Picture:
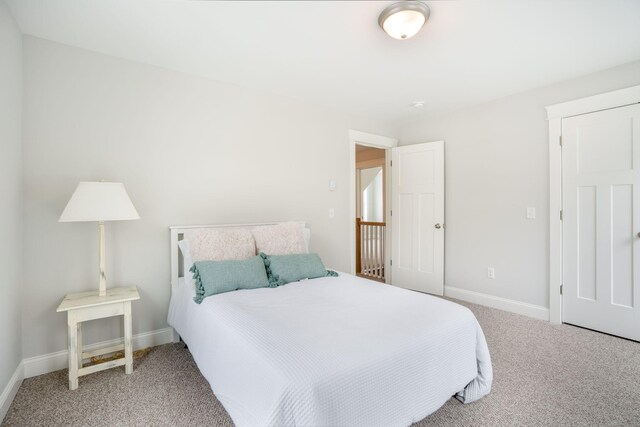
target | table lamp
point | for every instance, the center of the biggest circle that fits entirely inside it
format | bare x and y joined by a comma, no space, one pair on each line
99,201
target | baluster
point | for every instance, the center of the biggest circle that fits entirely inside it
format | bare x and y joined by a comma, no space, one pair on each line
383,251
363,230
379,270
373,247
370,241
375,251
358,247
363,249
366,249
377,243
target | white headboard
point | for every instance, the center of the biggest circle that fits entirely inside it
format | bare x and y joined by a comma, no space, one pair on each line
178,232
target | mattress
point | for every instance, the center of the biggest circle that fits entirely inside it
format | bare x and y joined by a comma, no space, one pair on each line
333,351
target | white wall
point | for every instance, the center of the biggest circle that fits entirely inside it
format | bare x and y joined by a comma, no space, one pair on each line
496,164
371,190
192,150
10,195
189,150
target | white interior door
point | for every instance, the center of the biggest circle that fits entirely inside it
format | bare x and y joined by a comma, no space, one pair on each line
601,208
417,249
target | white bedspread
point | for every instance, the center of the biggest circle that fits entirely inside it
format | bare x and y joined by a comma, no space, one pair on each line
339,351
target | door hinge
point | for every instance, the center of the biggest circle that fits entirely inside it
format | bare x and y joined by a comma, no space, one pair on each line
560,289
560,140
560,214
391,163
391,212
390,262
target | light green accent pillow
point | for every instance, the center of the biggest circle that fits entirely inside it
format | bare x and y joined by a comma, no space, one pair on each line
216,277
282,269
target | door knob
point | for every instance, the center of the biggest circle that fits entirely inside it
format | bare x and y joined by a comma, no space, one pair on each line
638,233
438,226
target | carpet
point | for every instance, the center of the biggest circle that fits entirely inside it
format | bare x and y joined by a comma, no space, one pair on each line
544,375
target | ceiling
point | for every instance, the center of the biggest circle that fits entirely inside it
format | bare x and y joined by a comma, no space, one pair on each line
334,54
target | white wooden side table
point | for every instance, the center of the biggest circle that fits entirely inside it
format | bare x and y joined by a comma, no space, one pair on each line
84,306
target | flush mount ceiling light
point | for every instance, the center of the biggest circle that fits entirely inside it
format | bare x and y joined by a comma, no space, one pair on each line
418,104
404,19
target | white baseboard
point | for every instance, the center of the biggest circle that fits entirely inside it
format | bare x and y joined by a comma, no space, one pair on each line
46,363
10,390
531,310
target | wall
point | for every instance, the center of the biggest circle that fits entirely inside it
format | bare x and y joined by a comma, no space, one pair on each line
365,159
192,150
189,150
496,164
11,196
372,195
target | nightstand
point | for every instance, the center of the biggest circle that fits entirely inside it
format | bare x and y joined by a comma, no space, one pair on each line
84,306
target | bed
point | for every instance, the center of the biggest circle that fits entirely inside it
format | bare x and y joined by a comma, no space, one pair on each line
331,351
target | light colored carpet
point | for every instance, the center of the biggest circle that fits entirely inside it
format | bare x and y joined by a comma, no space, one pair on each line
545,375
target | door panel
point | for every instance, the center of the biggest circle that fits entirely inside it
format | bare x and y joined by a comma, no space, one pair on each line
587,238
417,250
404,214
427,232
601,204
596,153
622,245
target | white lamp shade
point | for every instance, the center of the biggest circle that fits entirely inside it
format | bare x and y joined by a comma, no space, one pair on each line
99,201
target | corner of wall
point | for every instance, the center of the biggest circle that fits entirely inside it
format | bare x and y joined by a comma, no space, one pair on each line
11,218
11,389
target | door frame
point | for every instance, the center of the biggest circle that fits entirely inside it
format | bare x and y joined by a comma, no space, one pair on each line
555,114
374,141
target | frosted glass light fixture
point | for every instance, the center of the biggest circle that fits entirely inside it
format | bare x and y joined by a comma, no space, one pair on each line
99,202
404,19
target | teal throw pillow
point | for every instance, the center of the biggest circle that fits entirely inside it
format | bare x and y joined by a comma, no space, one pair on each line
216,277
282,269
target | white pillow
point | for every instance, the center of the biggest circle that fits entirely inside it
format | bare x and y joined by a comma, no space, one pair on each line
221,244
307,238
186,254
187,262
281,239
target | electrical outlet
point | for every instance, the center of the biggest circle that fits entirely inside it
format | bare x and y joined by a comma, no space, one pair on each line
332,213
491,273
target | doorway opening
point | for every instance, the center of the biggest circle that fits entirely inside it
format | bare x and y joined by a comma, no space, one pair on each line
370,227
384,143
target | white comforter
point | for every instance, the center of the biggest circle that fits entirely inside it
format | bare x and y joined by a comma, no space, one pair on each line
339,351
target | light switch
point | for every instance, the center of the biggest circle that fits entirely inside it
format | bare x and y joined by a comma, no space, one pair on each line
531,212
332,213
332,185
